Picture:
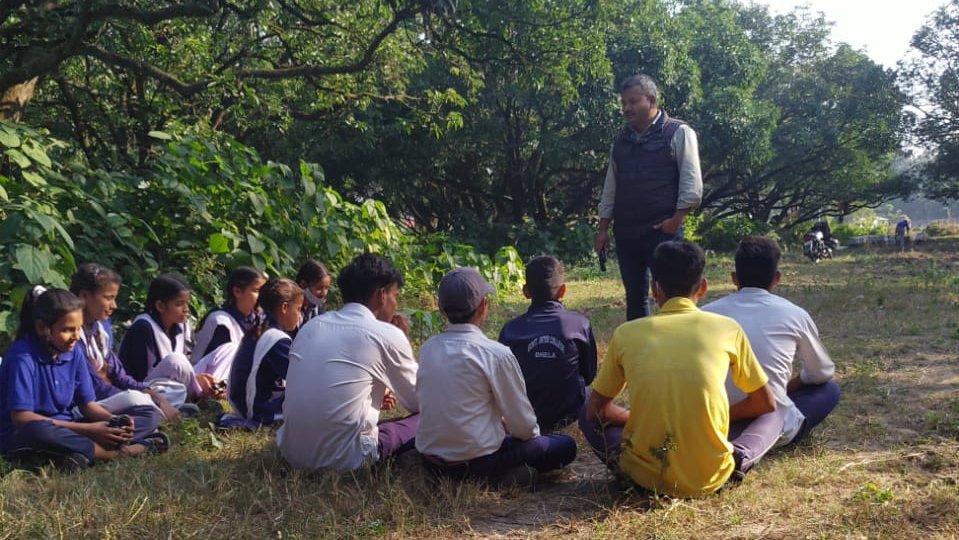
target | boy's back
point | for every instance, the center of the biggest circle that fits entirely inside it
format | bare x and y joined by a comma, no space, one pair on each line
556,351
675,364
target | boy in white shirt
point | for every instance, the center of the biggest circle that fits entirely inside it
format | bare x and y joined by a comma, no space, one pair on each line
779,331
342,365
476,419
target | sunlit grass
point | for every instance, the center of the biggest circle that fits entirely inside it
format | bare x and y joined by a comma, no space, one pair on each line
884,465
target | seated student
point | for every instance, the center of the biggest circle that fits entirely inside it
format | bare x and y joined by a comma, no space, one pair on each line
341,366
116,391
554,346
153,351
675,364
779,331
221,330
475,418
43,377
258,376
315,280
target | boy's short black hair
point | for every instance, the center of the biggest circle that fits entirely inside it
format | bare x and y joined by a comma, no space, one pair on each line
678,267
757,260
364,276
544,277
460,318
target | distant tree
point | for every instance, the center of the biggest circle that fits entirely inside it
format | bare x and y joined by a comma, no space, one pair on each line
109,71
835,125
931,76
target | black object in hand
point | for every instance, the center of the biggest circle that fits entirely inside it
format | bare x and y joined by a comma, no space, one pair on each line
118,421
219,385
602,260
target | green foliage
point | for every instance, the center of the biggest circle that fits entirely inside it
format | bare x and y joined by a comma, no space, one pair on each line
932,79
845,231
571,242
941,228
872,493
725,234
202,203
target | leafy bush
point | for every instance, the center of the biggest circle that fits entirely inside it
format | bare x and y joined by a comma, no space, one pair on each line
724,234
570,242
942,228
845,231
202,203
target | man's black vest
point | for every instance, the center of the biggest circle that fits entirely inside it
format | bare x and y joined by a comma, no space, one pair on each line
647,178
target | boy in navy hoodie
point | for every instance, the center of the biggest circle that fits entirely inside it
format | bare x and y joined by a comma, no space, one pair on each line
554,346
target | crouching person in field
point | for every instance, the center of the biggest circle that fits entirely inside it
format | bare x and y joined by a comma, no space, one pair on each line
674,437
341,369
779,332
476,419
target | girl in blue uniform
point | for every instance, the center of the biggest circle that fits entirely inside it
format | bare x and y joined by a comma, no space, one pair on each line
43,376
221,330
115,389
153,350
314,279
258,377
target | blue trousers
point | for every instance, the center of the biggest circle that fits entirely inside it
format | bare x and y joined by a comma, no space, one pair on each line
815,402
42,438
635,256
543,453
397,436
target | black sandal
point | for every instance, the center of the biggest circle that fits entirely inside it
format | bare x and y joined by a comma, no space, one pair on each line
156,443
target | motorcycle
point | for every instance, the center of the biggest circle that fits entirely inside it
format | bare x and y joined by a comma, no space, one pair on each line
817,247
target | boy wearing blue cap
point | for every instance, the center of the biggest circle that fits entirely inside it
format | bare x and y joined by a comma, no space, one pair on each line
475,418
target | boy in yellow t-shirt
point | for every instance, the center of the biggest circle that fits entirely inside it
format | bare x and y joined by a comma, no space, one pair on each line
674,437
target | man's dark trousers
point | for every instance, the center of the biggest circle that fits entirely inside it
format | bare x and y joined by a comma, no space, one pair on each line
635,256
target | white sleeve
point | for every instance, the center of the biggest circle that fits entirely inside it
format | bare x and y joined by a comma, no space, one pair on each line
509,393
685,147
401,369
816,365
608,198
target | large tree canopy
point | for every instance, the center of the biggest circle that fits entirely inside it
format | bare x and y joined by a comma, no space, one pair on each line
467,116
931,74
110,71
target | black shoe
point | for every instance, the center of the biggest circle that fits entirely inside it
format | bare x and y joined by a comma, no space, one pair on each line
522,476
70,463
189,410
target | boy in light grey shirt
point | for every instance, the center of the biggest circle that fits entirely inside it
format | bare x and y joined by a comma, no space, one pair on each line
476,420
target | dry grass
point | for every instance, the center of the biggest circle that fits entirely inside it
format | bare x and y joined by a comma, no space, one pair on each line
884,465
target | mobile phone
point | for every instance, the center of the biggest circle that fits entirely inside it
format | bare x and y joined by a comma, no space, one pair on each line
118,421
602,260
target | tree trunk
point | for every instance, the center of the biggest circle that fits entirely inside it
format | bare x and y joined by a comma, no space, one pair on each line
14,100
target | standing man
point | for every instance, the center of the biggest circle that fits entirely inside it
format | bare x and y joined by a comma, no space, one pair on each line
652,183
342,367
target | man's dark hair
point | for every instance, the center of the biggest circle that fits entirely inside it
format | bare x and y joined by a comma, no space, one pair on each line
364,276
644,82
544,277
757,260
678,267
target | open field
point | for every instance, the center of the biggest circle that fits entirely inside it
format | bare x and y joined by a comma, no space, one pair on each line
884,465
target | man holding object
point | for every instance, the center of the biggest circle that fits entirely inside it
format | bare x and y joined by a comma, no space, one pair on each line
652,183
